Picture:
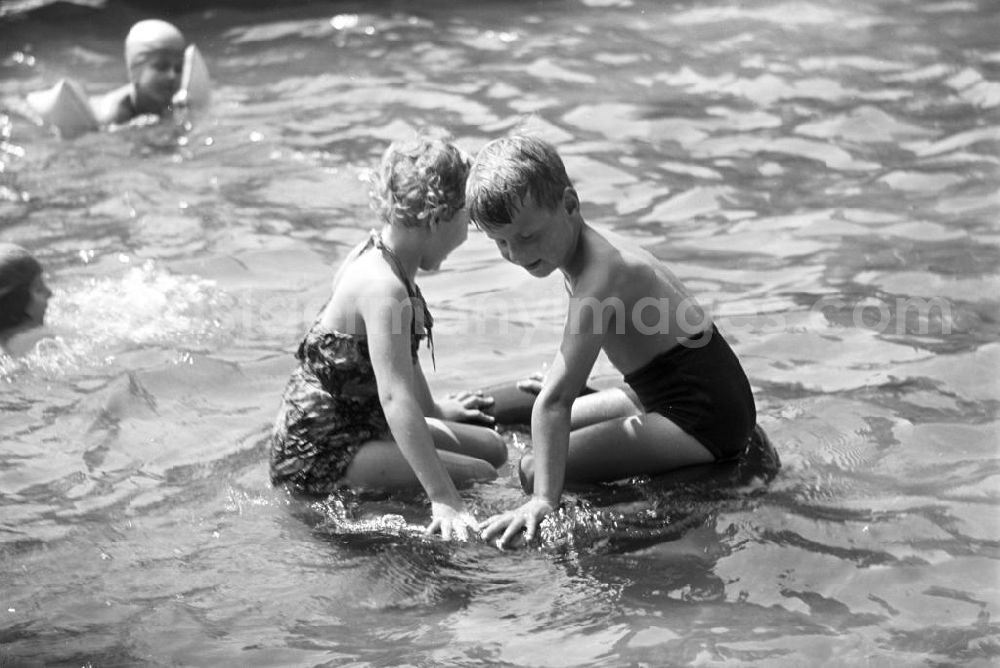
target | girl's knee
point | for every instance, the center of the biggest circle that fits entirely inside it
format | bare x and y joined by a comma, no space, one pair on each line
497,450
526,473
482,471
486,445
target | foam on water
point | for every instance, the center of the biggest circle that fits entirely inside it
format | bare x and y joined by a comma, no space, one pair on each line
143,307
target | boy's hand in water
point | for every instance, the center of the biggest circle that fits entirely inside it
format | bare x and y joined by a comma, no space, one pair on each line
457,524
467,407
528,517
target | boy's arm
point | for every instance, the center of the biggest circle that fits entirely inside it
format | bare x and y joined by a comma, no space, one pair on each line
550,417
586,324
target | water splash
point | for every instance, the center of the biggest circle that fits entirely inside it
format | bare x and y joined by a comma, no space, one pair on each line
146,305
106,316
342,514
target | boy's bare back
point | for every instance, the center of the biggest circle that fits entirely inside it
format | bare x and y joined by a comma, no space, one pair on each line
648,307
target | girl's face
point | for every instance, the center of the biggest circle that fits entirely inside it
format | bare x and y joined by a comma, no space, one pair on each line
448,235
159,79
39,294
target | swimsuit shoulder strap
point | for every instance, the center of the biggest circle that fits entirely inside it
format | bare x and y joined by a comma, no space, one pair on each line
412,289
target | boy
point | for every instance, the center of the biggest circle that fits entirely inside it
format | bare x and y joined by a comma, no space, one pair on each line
697,406
154,56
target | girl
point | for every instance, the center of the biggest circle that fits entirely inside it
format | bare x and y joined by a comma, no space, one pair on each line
24,297
358,412
154,57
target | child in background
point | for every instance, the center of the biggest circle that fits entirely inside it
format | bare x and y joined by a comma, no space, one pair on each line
358,412
24,298
154,56
696,402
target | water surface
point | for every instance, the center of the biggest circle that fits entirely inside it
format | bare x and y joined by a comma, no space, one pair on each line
824,175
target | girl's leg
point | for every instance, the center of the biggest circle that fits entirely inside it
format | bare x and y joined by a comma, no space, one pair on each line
470,440
380,465
645,444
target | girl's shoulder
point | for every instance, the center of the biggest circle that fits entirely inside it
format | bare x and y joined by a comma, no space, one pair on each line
368,273
366,282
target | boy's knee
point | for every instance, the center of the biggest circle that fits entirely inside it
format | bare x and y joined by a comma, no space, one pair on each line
526,472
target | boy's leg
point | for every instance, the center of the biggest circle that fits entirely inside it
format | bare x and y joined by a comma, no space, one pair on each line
380,465
601,406
645,444
470,440
512,405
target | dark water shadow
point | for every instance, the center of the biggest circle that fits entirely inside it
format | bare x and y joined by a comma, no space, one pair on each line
621,517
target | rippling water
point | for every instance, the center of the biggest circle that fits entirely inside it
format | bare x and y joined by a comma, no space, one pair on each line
823,174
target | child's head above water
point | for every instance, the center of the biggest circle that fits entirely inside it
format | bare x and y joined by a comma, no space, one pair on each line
508,170
418,179
23,293
154,55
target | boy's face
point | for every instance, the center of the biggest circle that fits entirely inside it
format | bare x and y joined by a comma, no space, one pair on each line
159,78
537,239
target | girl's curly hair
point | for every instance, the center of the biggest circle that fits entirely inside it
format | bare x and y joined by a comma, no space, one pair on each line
417,178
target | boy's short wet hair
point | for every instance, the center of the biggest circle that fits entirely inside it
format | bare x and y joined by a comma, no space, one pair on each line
417,178
509,169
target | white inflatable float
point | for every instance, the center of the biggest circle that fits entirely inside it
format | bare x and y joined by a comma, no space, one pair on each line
196,86
65,106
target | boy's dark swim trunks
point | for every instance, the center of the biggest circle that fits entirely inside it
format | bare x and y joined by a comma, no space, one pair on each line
700,386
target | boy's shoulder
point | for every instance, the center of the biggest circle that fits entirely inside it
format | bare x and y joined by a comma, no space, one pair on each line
611,265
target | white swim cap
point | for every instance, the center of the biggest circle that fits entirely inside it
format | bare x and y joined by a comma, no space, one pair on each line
147,38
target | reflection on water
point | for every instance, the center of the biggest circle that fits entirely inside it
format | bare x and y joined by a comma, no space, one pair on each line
823,175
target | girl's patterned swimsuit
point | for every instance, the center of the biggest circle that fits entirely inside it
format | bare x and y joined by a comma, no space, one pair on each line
331,407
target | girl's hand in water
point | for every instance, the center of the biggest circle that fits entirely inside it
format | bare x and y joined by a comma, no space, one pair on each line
453,523
528,517
467,407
